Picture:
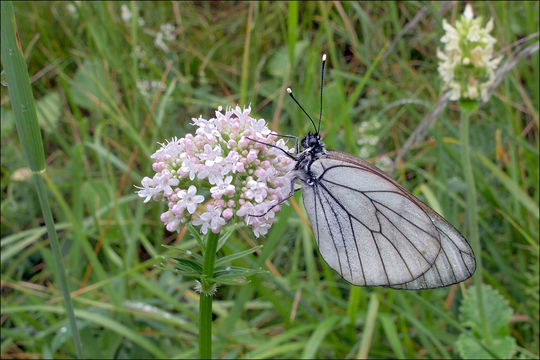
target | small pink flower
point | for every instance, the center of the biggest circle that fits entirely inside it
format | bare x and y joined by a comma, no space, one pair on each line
164,181
148,190
210,219
223,187
211,156
256,190
191,199
172,222
265,175
227,214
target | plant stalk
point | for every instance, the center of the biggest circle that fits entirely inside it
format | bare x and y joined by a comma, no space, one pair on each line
472,218
205,298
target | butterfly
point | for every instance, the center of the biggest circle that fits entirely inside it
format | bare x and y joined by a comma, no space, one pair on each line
368,227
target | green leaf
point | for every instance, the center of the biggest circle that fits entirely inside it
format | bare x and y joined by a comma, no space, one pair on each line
93,316
468,105
226,234
498,313
280,61
20,91
197,235
469,348
88,87
235,281
198,258
240,254
48,111
184,271
234,272
186,267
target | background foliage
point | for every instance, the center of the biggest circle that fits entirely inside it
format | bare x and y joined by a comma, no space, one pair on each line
105,94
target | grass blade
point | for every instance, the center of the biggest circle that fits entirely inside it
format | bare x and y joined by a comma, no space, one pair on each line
23,105
365,344
318,336
511,186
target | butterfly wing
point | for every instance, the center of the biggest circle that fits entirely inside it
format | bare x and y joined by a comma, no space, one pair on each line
373,232
454,264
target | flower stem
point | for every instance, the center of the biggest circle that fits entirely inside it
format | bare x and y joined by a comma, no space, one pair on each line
472,218
205,298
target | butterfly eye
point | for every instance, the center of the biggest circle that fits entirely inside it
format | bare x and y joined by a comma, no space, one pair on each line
312,140
310,182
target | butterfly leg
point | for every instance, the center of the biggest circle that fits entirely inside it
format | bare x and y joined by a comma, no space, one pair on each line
296,146
291,193
274,146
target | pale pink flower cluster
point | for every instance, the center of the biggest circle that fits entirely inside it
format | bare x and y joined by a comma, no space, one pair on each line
218,175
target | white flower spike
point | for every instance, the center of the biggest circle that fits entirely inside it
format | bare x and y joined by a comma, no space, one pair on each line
466,63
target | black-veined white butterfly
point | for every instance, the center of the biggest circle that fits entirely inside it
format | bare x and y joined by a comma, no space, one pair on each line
368,227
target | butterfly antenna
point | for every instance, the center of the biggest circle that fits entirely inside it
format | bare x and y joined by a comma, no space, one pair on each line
289,90
322,83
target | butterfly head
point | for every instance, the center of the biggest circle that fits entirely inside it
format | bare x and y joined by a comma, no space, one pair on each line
313,149
311,141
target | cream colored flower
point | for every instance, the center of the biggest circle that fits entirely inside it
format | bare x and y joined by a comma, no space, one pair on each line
466,63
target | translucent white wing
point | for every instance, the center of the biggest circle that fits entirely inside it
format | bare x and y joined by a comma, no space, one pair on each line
374,232
454,264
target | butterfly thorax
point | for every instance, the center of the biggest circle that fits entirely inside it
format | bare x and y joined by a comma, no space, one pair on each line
313,150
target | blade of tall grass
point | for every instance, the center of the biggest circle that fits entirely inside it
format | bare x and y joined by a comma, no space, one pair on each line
510,185
344,121
276,342
354,300
392,336
246,292
96,318
245,58
87,249
369,327
23,105
292,25
324,327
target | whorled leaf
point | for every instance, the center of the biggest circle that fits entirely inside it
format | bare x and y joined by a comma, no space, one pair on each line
498,315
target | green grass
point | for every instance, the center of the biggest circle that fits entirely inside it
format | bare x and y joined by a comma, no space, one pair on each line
98,132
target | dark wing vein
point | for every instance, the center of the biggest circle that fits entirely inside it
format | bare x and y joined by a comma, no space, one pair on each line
378,212
462,259
316,217
352,230
446,240
340,231
404,218
380,257
315,192
351,167
405,236
363,192
395,248
357,252
341,205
